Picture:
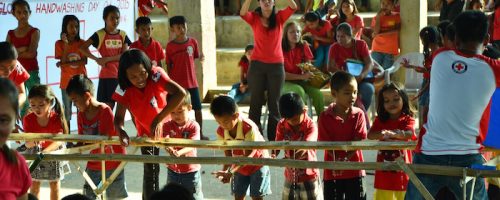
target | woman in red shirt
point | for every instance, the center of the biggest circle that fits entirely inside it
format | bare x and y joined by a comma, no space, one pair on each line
347,47
266,71
14,173
295,52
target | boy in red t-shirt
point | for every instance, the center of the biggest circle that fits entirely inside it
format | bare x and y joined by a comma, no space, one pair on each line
180,55
297,126
146,43
187,175
10,68
343,122
96,118
234,127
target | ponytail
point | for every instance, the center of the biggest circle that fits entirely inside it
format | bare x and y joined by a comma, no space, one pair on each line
59,109
9,154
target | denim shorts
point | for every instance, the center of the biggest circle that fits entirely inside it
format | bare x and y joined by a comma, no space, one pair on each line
191,181
434,183
423,100
259,182
117,189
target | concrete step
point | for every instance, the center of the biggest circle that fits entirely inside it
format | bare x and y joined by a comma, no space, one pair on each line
233,32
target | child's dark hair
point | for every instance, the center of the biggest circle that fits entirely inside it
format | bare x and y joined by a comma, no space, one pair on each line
451,32
8,90
129,58
442,28
272,18
407,109
66,20
471,26
142,21
44,91
471,4
290,105
172,191
314,16
284,41
345,28
223,105
7,52
429,35
108,10
76,197
16,3
32,197
244,57
342,15
177,20
497,4
340,79
79,85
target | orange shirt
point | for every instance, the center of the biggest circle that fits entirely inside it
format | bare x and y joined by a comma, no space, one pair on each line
387,42
73,54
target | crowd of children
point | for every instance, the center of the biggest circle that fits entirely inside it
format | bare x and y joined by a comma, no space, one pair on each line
159,101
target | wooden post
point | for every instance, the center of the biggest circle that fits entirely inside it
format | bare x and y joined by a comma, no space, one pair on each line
414,179
85,176
113,176
103,172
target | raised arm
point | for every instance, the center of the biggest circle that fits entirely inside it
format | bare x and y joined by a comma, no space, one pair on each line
245,7
292,4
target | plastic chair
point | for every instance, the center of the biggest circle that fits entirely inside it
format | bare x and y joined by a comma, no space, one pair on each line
413,80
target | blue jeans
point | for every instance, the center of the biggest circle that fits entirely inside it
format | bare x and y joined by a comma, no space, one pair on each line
321,57
434,183
384,59
259,182
236,94
191,181
366,89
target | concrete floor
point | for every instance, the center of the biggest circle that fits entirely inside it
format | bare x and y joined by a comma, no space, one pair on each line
212,188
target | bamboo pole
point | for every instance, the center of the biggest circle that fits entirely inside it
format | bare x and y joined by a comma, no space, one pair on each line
115,174
424,169
414,179
103,172
172,142
75,149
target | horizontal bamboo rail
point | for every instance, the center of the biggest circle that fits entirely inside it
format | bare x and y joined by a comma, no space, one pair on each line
427,169
142,141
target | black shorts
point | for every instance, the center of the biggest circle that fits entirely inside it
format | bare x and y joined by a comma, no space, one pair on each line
105,89
345,189
195,98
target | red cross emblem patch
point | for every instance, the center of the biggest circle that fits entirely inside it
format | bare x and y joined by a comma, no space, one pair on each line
459,67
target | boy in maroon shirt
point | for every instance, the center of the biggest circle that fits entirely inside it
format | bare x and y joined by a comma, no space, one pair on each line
343,122
146,43
297,126
180,55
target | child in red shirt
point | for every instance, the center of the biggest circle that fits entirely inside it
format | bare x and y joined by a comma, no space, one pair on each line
321,32
146,43
240,90
343,122
44,118
111,42
348,12
11,69
25,38
147,6
72,61
297,126
394,122
15,176
187,175
180,55
143,91
232,126
96,118
386,25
